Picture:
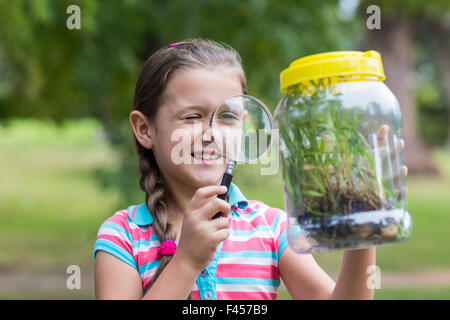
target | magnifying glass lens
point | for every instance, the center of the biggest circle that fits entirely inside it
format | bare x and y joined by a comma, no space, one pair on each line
227,125
241,128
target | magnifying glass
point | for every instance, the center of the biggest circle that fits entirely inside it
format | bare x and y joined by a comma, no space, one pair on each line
241,126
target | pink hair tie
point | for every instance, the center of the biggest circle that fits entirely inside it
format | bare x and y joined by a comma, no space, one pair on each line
177,43
167,248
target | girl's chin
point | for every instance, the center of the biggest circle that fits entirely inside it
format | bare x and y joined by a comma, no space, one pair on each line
207,181
203,179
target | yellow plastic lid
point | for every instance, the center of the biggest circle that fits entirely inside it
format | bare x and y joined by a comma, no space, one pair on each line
332,64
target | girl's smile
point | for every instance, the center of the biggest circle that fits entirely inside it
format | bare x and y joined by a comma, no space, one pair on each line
207,157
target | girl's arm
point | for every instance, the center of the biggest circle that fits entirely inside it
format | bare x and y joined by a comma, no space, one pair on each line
305,279
200,235
353,276
115,279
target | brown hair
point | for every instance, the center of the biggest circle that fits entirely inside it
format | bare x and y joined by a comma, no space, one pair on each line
153,78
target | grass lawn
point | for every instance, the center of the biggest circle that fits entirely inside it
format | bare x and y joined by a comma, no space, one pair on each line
51,206
395,294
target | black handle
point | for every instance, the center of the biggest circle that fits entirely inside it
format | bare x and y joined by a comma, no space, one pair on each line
226,180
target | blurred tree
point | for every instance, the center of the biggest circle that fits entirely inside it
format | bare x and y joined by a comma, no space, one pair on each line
439,29
395,42
433,78
49,71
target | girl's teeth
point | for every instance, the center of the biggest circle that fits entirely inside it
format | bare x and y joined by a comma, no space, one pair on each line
206,157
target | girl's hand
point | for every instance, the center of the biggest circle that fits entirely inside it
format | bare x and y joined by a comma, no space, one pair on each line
200,235
402,172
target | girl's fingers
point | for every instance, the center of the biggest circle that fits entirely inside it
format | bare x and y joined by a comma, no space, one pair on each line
202,194
399,146
213,206
220,223
221,235
400,174
385,148
404,171
382,131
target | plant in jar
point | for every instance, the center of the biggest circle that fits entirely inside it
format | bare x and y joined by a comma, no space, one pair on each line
333,165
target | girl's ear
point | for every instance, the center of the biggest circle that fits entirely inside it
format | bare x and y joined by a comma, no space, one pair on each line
141,128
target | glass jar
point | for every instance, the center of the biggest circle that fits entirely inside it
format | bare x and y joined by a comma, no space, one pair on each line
341,154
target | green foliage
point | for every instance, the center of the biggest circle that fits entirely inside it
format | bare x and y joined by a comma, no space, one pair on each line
58,73
49,71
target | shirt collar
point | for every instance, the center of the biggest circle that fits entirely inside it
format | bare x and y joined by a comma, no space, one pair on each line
140,215
236,197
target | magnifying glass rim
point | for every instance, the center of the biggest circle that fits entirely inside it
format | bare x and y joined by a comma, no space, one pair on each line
267,110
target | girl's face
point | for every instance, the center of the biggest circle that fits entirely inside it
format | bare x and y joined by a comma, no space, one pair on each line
182,141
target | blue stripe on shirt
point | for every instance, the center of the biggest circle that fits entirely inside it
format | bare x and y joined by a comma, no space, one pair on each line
248,281
112,248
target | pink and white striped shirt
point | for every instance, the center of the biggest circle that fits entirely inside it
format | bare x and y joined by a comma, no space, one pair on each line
245,265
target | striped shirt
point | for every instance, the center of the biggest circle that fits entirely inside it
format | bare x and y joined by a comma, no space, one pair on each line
245,265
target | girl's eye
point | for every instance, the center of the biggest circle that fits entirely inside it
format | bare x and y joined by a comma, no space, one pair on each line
228,116
193,116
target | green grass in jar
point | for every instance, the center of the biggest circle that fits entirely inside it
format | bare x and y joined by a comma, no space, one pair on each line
330,166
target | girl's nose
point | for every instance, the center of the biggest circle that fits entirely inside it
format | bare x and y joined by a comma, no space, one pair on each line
208,134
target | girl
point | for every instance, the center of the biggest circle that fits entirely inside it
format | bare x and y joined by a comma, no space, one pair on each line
169,247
